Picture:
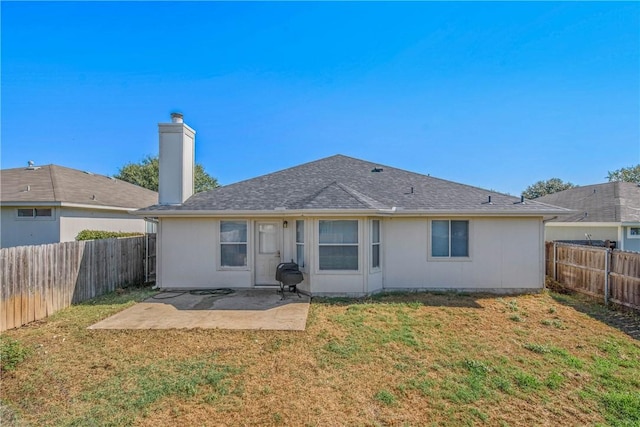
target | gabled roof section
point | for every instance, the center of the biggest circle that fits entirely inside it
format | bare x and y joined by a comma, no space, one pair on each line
345,183
58,184
337,194
609,202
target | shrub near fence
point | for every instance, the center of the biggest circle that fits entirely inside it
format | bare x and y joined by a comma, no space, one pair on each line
37,281
599,272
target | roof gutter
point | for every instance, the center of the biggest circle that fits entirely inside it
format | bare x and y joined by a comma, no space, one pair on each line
588,224
394,212
68,205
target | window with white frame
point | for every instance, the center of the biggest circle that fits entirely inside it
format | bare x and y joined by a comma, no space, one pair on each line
449,238
35,212
338,245
375,243
633,232
300,243
233,243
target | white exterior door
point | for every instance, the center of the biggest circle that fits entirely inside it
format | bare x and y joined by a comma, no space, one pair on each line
268,248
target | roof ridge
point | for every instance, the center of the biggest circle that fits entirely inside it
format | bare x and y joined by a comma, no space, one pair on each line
362,198
54,182
308,199
277,172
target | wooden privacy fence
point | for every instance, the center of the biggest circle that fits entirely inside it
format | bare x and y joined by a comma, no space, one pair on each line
37,281
599,272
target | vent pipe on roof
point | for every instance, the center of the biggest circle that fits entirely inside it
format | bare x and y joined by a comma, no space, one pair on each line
31,166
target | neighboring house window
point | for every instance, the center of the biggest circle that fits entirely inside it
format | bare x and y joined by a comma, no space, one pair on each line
375,243
300,243
233,243
35,213
338,245
449,238
633,233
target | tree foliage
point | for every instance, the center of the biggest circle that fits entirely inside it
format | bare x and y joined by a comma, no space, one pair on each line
542,188
630,174
147,174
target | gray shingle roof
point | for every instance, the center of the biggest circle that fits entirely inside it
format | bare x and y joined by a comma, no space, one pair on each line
341,182
52,183
609,202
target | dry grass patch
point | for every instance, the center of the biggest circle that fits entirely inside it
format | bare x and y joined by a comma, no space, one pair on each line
400,359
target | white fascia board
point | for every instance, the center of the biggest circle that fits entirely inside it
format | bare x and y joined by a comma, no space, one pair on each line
473,213
98,207
68,205
12,204
254,213
582,224
339,212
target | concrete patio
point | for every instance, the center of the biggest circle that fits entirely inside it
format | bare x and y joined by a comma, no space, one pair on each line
258,309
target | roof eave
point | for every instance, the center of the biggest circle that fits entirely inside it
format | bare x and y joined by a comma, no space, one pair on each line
583,224
68,205
347,212
13,203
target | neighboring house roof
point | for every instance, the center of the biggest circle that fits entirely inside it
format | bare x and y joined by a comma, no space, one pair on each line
609,202
52,184
344,183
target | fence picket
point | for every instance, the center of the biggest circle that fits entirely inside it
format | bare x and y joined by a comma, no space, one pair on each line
37,281
582,268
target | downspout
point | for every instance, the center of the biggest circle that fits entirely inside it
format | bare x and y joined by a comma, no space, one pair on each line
621,238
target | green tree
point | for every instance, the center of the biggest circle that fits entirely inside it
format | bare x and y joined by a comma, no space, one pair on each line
542,188
630,174
147,172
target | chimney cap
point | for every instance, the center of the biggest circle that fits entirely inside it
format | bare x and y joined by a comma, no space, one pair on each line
176,117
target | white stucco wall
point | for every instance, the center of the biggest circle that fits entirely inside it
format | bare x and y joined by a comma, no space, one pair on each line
505,254
74,220
189,256
16,231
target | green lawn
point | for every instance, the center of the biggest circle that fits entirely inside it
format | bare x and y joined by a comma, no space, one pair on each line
399,359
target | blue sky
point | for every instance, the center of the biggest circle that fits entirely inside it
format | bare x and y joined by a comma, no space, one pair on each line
496,95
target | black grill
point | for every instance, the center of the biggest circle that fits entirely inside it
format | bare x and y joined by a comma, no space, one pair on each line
289,275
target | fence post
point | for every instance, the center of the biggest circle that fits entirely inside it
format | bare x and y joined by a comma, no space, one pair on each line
555,270
607,267
146,257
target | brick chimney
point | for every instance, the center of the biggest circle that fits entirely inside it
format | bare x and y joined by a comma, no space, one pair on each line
176,161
